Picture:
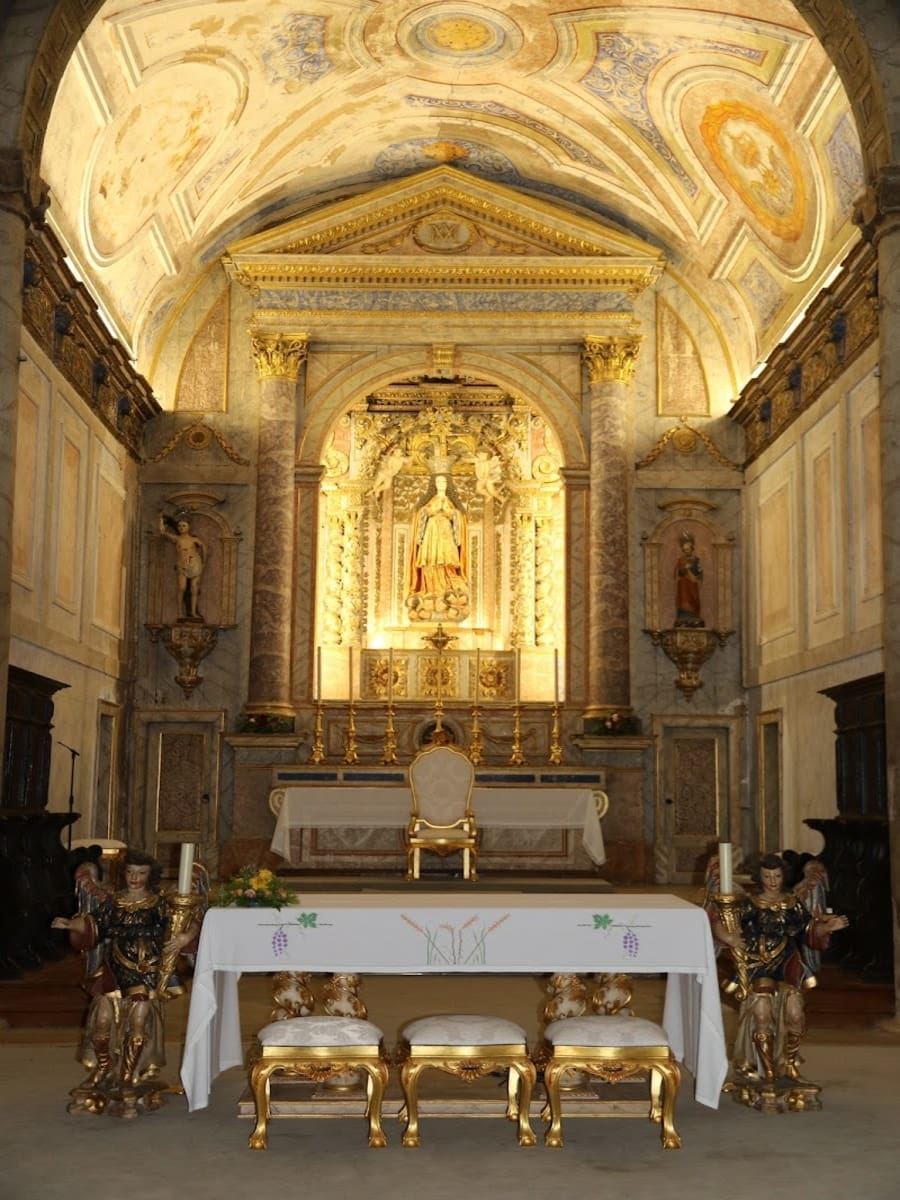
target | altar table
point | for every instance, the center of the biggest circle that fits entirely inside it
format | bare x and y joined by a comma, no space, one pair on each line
460,932
388,807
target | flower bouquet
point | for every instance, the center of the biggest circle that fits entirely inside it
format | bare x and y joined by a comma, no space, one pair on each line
255,887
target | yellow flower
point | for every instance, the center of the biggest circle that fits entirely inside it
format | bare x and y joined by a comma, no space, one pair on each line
261,880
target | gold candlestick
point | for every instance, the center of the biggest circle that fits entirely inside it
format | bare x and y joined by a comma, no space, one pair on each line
390,739
555,744
729,910
350,755
318,748
184,911
516,757
475,745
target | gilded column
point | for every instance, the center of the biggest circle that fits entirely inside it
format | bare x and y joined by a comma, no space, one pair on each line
610,363
278,359
885,233
522,574
544,571
308,635
14,219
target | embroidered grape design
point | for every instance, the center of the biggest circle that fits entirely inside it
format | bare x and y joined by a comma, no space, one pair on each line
279,941
630,943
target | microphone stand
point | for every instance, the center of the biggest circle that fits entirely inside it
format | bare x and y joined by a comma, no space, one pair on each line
74,754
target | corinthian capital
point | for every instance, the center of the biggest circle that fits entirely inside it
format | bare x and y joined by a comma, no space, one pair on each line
278,355
611,359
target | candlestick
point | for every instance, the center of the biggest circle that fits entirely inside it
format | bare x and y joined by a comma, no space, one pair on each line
186,868
555,743
726,879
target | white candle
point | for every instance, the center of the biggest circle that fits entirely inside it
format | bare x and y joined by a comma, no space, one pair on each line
390,687
726,880
477,674
186,869
518,674
350,672
556,677
318,696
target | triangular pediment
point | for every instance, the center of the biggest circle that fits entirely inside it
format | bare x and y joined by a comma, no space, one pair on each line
443,241
444,212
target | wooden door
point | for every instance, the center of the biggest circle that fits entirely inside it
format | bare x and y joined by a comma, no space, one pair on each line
180,753
693,805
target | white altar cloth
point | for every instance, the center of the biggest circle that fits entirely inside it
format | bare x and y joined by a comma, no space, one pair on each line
385,807
462,932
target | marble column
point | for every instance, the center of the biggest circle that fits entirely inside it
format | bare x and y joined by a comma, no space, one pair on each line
610,363
307,599
886,236
278,359
14,219
577,582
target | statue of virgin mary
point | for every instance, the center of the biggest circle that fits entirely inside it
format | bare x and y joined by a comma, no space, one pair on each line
438,570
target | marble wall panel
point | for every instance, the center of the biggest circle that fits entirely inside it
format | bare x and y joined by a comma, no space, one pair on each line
826,500
30,492
866,575
109,557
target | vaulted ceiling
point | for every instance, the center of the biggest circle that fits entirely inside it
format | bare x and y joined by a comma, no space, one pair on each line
718,136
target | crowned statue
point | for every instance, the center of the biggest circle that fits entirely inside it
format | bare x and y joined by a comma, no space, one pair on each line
438,584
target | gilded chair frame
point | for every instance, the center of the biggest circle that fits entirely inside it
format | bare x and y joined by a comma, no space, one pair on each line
469,1063
614,1064
434,837
317,1063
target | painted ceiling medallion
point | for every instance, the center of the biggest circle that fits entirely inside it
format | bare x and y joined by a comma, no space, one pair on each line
759,162
459,33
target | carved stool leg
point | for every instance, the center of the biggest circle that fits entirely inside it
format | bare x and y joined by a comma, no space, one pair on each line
671,1077
377,1082
409,1081
260,1074
526,1074
552,1074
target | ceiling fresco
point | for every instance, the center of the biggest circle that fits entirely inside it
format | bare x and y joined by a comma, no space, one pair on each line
717,136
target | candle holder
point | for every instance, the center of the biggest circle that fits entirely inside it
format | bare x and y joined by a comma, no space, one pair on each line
729,910
184,911
516,757
390,738
555,743
350,755
476,744
317,754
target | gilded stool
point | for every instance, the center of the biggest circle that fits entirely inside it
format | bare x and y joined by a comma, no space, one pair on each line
318,1048
614,1049
469,1047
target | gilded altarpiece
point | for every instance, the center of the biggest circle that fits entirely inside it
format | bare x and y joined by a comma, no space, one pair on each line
488,467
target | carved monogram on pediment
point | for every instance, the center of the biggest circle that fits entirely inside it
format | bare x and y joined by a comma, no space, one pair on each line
449,232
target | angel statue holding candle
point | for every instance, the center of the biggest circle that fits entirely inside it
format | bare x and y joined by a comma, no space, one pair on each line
123,1045
774,943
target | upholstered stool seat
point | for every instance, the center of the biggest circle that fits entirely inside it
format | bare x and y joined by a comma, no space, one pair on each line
318,1048
468,1047
612,1048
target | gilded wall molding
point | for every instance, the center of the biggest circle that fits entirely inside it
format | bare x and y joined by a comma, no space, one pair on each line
62,318
611,359
540,274
277,355
840,324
